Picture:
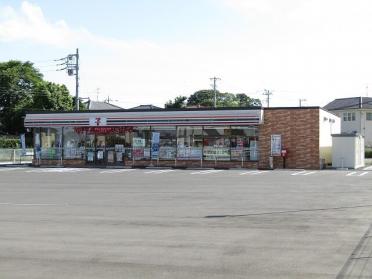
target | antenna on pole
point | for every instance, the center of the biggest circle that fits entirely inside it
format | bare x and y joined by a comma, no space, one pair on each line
367,90
215,79
300,101
267,93
97,92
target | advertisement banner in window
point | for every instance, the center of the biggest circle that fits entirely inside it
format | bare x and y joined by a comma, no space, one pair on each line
276,145
155,145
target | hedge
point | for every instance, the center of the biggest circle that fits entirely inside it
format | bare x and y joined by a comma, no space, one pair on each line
9,142
368,153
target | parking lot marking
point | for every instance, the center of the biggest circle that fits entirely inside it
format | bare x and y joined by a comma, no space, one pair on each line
298,173
206,172
117,170
355,173
304,173
309,173
158,171
368,168
56,170
252,172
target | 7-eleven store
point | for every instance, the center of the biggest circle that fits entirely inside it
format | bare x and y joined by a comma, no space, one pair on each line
175,138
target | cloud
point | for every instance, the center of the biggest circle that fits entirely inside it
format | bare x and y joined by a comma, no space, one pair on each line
315,49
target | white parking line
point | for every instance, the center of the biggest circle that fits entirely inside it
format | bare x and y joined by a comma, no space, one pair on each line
368,168
117,170
158,171
304,173
206,172
56,170
355,173
252,172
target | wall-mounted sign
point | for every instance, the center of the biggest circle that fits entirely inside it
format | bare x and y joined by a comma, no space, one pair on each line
276,145
102,130
97,121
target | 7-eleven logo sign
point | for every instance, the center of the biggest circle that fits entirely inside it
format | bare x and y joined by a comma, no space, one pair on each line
97,121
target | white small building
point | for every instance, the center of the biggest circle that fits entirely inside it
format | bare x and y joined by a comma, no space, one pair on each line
356,116
329,124
347,151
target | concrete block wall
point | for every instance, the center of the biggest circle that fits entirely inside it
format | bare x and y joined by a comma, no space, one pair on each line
299,128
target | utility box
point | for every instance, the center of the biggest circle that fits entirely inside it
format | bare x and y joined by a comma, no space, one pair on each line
347,151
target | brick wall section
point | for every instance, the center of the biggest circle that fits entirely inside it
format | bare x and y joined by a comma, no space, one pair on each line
299,128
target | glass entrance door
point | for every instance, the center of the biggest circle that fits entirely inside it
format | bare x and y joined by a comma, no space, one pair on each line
115,149
100,150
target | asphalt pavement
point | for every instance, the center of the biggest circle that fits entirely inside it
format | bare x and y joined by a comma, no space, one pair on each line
165,223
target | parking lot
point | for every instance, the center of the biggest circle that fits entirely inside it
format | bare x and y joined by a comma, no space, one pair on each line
166,223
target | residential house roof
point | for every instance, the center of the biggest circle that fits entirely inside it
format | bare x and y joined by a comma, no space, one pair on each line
145,107
350,103
95,105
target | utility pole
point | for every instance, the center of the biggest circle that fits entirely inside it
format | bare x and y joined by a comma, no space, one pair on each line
215,79
77,80
267,93
300,101
71,65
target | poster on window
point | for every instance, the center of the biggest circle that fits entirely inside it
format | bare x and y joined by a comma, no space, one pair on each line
155,145
90,156
276,145
100,155
138,142
110,157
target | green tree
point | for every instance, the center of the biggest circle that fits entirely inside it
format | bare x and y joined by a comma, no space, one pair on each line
245,101
179,102
51,96
205,98
22,88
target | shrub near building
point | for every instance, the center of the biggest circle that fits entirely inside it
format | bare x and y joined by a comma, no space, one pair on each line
6,142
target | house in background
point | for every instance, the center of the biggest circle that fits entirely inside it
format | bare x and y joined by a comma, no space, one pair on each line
96,105
355,114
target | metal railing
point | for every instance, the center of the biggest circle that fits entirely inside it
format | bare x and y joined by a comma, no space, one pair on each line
16,156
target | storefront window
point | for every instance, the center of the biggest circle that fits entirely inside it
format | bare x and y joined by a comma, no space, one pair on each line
73,144
189,142
216,143
167,142
51,143
141,143
244,143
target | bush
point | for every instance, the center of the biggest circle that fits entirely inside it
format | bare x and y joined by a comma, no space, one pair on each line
368,153
6,142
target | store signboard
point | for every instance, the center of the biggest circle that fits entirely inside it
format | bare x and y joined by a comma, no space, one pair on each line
276,145
97,121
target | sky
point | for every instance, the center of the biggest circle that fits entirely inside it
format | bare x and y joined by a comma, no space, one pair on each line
148,52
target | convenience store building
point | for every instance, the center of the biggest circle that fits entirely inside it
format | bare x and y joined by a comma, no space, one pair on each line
222,138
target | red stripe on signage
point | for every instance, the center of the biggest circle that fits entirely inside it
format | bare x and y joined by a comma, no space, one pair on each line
148,117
